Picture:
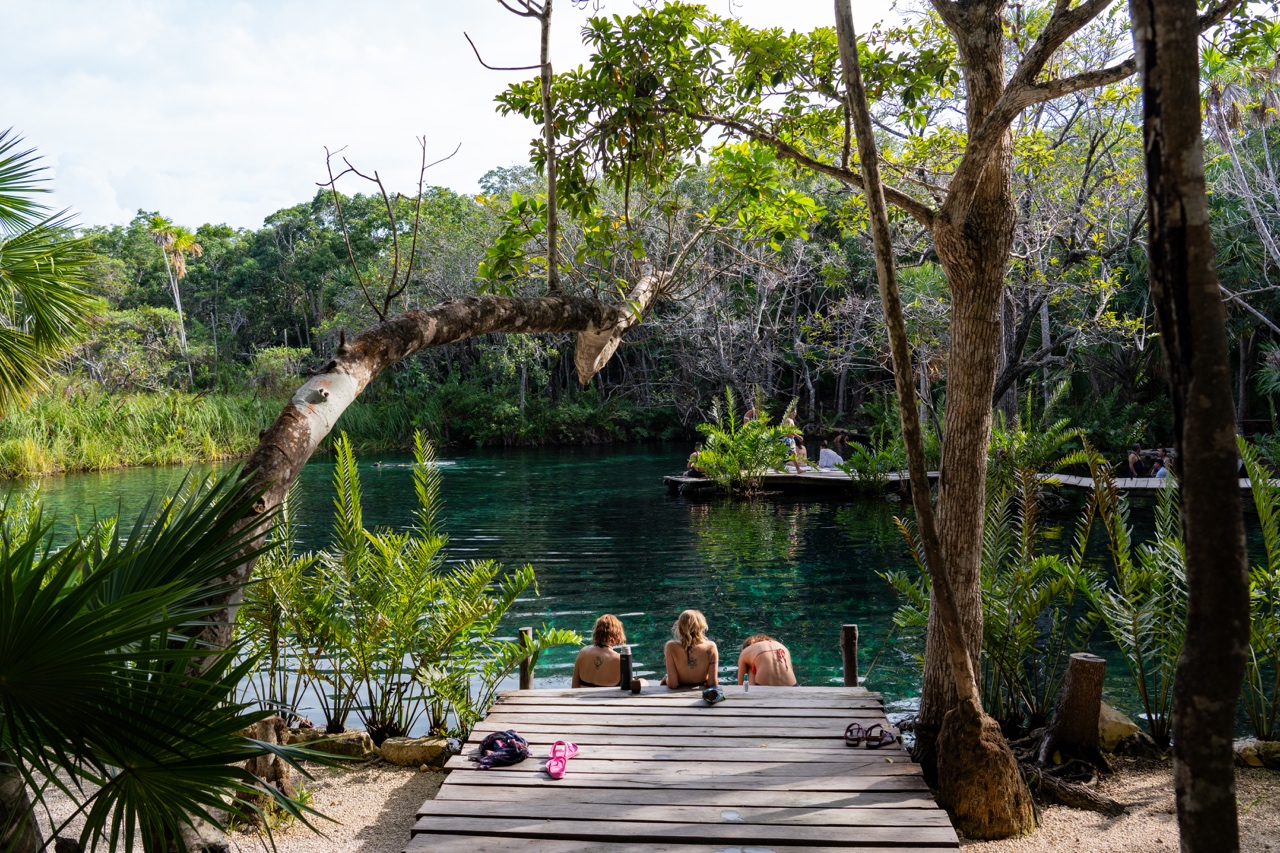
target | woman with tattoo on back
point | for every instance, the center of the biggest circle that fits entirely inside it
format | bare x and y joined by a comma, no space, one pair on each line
597,664
692,659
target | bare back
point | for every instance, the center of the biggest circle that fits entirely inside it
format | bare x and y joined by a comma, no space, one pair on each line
769,663
597,667
692,667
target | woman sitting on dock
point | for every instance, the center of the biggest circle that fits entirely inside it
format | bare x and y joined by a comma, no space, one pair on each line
598,664
692,659
766,661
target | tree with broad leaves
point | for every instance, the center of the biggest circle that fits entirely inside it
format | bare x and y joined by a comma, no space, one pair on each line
660,82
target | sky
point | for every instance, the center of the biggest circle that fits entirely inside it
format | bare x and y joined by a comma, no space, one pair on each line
220,111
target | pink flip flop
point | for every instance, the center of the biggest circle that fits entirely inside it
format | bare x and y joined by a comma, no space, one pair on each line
561,752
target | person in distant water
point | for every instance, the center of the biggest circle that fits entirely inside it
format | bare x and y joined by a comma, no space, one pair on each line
1137,468
693,470
598,664
767,662
828,459
692,659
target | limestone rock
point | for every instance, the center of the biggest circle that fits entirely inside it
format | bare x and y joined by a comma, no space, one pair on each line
414,751
1269,754
1247,752
347,744
1113,727
1139,744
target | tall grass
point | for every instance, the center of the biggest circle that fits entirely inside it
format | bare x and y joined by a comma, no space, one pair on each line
83,428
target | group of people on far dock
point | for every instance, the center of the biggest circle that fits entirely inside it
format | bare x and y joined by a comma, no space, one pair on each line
691,659
829,456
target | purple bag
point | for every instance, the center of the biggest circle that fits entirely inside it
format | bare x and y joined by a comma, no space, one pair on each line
502,749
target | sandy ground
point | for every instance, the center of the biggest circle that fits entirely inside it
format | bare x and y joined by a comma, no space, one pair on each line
374,807
1150,824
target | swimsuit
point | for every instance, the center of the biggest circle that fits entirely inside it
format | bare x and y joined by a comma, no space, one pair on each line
780,654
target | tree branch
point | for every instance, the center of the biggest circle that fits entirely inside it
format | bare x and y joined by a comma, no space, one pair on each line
476,50
924,214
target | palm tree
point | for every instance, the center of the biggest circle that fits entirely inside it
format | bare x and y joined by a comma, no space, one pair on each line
175,243
45,303
101,695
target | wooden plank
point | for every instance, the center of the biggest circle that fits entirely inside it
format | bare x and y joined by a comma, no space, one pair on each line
658,731
752,699
676,769
665,752
709,719
702,709
549,809
479,844
658,691
842,782
688,797
754,834
820,742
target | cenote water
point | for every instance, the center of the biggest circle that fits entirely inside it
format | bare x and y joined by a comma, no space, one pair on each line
604,536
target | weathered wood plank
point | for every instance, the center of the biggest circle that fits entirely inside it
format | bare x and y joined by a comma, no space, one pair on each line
754,834
550,809
711,718
845,782
700,710
504,844
819,742
658,731
608,698
662,751
687,796
672,769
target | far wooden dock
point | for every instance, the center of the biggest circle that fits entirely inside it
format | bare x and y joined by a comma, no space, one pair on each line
838,483
663,772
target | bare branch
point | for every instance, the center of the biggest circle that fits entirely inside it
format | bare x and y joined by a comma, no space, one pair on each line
346,235
497,67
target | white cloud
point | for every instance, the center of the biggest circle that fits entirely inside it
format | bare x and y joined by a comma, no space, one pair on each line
217,112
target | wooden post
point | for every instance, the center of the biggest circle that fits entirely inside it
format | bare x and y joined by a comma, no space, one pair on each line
526,663
849,651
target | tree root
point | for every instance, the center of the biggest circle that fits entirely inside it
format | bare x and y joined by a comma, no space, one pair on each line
1067,783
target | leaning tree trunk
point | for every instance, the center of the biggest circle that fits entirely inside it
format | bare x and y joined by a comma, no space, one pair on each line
284,447
973,254
1184,290
978,774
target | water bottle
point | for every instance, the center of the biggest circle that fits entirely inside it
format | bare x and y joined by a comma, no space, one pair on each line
624,664
746,683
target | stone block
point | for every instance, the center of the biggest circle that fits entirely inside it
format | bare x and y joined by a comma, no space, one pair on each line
347,744
415,751
1113,727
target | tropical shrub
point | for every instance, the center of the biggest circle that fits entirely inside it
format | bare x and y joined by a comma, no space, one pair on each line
1146,611
737,452
382,625
1261,695
1036,607
104,700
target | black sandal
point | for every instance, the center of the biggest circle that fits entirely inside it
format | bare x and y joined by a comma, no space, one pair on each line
877,740
854,734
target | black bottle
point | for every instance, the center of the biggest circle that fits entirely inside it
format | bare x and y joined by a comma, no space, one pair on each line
624,664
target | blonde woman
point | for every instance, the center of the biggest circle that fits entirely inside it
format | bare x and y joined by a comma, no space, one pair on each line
598,665
692,659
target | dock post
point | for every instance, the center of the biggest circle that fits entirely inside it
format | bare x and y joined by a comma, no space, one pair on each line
526,663
849,651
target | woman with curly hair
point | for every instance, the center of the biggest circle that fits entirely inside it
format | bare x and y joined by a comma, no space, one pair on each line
598,664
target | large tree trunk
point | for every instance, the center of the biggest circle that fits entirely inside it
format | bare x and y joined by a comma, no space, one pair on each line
1184,290
285,446
19,832
974,254
978,774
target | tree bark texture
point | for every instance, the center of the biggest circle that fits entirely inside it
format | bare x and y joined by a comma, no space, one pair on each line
549,140
1184,291
974,253
979,778
19,832
1073,732
284,447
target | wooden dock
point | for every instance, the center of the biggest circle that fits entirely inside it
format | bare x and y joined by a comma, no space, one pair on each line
838,483
663,772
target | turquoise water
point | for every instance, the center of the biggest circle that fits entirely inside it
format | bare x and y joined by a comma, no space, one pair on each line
604,536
